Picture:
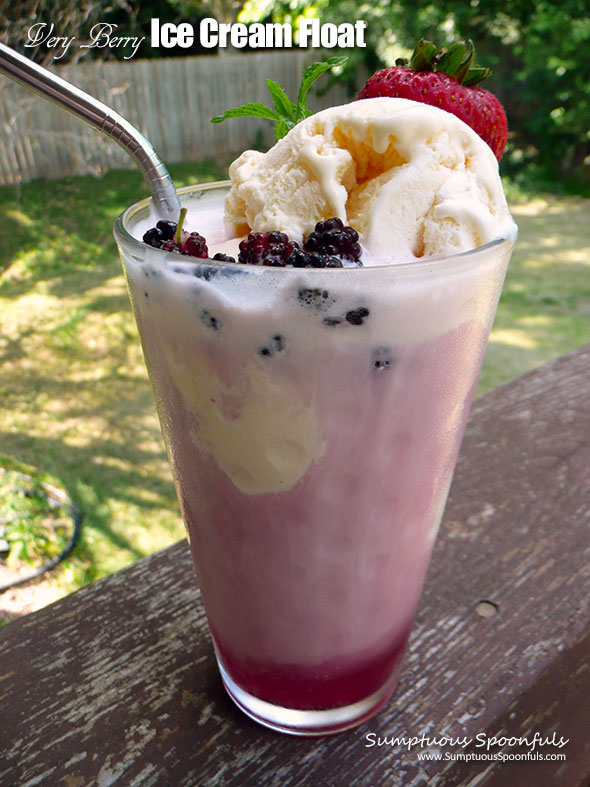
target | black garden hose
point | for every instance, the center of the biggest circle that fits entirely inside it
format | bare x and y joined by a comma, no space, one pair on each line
77,516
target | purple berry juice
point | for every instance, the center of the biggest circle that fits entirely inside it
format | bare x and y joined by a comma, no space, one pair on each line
313,420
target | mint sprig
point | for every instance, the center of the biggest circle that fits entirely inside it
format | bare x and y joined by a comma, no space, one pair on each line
181,218
285,114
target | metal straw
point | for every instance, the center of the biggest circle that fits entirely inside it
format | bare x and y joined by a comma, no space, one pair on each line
100,117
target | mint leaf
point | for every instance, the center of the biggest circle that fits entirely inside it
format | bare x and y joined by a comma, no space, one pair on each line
248,110
286,114
182,217
282,127
310,75
283,104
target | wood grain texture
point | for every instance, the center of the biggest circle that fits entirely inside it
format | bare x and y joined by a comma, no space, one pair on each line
171,100
117,683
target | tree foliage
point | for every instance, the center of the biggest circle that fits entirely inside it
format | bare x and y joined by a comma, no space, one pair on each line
64,18
76,18
537,51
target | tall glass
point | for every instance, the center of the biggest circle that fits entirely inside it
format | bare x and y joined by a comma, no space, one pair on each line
313,420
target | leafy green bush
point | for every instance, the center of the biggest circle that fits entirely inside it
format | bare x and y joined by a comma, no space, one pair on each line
35,527
537,51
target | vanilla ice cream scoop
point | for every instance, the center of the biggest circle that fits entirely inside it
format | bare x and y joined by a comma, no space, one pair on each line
412,179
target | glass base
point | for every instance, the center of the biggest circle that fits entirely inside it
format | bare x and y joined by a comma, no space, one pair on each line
309,722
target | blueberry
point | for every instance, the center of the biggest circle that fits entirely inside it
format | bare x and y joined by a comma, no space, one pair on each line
223,257
167,228
153,237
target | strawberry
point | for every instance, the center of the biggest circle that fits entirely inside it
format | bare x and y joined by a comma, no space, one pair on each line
445,79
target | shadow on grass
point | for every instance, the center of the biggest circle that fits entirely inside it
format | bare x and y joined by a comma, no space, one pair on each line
96,430
105,477
76,400
56,227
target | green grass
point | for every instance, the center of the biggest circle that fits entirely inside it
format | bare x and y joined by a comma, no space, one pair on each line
75,397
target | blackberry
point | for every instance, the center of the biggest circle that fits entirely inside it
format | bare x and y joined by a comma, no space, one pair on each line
382,358
277,345
315,298
313,259
352,317
331,237
208,272
195,246
223,257
266,248
210,320
357,316
170,236
171,245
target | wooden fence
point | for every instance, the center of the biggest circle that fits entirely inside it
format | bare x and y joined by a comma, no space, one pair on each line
170,100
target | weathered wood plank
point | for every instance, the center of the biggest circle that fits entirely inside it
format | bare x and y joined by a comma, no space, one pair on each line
117,684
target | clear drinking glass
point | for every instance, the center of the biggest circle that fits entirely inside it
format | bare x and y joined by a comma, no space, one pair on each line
313,420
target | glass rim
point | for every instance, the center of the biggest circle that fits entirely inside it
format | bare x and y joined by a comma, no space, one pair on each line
498,245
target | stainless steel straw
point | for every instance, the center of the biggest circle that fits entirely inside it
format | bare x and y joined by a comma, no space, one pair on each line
100,117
